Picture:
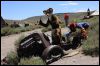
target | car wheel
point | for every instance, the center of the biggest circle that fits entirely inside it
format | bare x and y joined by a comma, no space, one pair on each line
52,53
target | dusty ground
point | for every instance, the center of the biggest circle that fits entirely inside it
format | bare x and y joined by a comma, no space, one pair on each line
78,59
7,44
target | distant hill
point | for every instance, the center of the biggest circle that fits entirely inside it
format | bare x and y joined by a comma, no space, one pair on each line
35,19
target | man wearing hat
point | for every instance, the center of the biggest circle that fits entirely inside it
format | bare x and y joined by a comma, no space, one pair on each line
54,21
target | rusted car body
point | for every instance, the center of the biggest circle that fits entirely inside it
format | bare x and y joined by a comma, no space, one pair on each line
39,44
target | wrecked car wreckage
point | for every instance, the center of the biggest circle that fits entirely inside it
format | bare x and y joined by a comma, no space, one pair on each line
39,44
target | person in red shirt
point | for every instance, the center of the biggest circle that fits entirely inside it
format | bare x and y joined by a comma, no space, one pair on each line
66,18
83,26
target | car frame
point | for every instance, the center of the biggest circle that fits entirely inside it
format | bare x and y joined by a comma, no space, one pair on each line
39,44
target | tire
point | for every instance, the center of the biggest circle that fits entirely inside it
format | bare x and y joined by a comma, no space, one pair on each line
51,52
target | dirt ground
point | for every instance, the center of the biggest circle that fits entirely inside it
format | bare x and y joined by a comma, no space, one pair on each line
76,57
7,42
79,59
7,45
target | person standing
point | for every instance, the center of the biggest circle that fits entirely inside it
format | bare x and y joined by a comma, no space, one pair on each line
66,18
54,21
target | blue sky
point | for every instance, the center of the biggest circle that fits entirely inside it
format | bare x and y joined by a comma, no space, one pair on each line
18,10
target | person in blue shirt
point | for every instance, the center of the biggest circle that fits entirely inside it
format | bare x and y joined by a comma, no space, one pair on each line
83,26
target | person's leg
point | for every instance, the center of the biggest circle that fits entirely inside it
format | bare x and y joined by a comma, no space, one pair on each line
54,37
66,22
52,34
58,36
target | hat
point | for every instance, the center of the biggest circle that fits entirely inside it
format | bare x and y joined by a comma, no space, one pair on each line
73,25
49,11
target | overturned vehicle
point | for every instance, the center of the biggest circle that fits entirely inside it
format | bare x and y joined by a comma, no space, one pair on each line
40,44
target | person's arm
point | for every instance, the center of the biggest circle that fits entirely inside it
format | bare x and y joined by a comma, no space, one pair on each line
79,25
45,25
57,19
84,33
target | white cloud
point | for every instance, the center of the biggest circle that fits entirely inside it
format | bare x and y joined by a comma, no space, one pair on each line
69,3
73,3
81,11
63,4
